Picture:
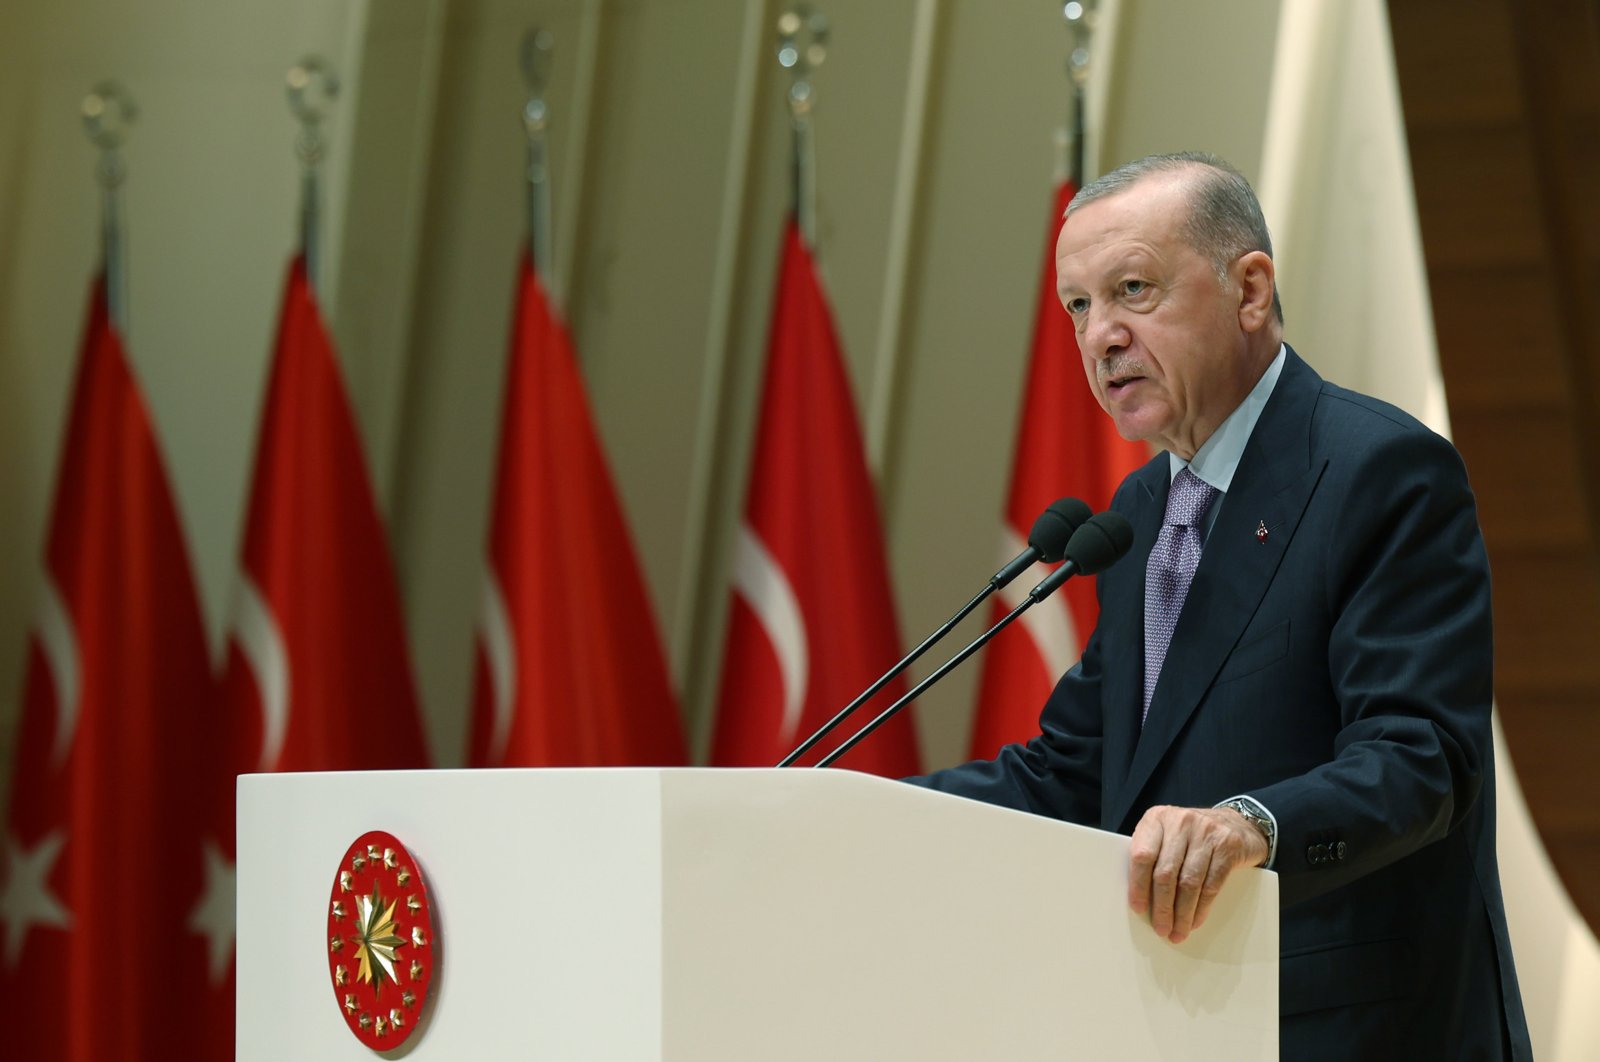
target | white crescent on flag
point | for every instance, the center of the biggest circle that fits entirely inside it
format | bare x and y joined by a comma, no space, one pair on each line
261,643
59,641
767,590
494,634
1049,623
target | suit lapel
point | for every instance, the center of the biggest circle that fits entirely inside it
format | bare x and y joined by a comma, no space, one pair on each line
1274,481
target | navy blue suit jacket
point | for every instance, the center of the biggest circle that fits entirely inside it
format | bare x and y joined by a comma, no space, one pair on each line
1339,671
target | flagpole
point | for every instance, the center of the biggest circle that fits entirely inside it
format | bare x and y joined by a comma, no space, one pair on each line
802,46
537,55
1080,19
108,111
313,86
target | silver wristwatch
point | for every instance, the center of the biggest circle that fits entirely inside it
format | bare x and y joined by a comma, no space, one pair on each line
1252,814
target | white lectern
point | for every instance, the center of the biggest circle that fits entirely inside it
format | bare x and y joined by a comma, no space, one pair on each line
741,915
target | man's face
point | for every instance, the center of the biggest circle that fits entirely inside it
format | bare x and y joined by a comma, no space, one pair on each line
1160,336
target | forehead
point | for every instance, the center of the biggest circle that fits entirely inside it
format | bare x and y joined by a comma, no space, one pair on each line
1145,218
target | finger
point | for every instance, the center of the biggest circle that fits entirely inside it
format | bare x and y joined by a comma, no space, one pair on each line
1142,853
1215,876
1191,881
1164,879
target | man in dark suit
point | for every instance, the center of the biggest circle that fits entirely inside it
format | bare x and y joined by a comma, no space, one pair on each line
1292,668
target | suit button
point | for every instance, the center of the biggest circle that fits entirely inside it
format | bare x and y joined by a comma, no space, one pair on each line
1338,851
1316,854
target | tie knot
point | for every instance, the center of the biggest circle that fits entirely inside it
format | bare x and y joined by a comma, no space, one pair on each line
1188,499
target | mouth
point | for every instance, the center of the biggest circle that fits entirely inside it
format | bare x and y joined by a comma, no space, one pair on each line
1115,385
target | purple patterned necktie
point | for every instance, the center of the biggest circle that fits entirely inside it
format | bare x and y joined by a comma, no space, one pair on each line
1170,570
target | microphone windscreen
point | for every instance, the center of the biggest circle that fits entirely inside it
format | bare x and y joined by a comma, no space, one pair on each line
1100,542
1055,526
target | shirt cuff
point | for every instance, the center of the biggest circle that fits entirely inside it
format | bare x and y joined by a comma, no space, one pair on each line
1266,813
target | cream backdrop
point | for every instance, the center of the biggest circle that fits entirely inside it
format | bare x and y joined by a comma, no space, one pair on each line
936,123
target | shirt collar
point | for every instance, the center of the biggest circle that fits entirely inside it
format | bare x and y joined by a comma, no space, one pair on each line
1218,458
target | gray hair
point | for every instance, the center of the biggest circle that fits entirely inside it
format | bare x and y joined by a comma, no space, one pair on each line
1225,221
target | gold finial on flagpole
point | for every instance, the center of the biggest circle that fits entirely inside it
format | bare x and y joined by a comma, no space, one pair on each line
312,86
1080,19
537,55
108,113
802,47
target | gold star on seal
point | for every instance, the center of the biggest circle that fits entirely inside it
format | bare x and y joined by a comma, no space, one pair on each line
350,1003
376,940
341,976
403,878
416,970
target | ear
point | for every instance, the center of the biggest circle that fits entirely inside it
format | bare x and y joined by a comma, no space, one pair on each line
1257,279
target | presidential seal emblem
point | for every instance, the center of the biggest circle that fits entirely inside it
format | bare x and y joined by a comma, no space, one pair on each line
381,949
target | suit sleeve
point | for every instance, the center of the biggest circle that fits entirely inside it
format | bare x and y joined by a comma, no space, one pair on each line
1057,773
1410,662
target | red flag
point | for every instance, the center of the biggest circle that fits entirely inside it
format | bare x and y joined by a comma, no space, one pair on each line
101,871
812,621
318,674
570,670
1066,446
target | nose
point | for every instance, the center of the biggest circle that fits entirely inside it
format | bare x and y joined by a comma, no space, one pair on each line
1104,333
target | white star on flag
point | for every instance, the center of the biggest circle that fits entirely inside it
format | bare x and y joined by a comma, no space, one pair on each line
213,917
26,900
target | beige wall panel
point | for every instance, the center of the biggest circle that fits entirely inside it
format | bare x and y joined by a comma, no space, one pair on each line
210,221
470,231
1190,76
982,230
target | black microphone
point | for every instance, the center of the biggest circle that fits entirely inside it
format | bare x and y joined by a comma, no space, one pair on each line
1093,548
1047,542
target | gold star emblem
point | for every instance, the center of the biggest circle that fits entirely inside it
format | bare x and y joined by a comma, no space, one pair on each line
389,860
344,881
409,998
350,1003
335,944
396,1018
416,970
383,1026
338,909
365,1021
418,938
403,879
413,904
341,976
358,863
376,940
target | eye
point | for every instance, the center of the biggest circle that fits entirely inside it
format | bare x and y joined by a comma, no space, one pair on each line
1134,287
1078,305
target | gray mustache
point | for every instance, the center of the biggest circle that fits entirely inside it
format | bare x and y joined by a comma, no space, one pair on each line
1121,365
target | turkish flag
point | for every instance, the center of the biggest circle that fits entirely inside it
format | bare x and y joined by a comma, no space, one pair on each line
102,954
318,675
570,670
1066,446
812,621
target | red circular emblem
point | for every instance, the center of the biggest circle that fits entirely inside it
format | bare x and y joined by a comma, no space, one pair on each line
381,948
